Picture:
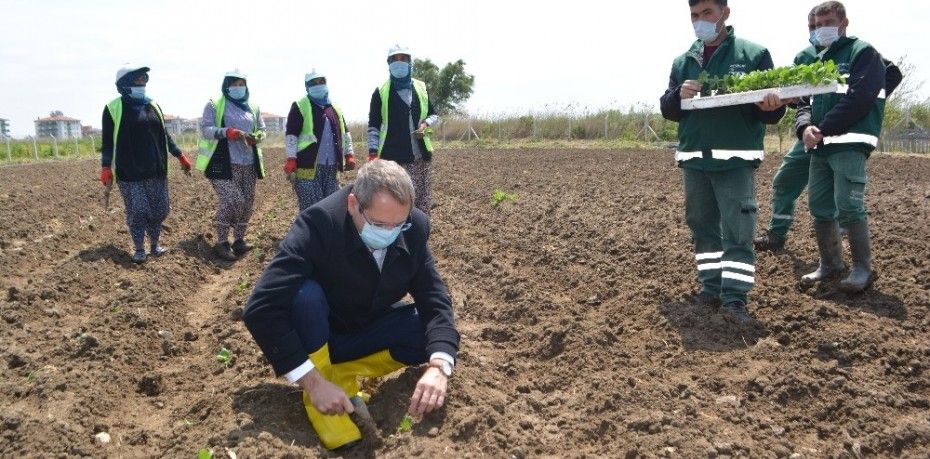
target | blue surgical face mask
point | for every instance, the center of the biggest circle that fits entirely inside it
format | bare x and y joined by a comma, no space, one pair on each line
137,92
399,69
318,92
813,39
378,238
705,31
237,92
827,36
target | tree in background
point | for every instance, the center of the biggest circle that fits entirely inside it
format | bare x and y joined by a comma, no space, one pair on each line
903,110
449,87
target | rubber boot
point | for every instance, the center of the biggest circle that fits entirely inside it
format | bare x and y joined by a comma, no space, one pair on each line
831,254
862,276
334,431
345,374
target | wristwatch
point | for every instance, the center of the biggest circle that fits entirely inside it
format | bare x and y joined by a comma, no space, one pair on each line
443,366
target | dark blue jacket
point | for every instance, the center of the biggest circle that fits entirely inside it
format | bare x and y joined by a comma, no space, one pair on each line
324,245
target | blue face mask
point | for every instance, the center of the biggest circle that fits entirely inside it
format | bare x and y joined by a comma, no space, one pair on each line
137,92
378,238
318,92
813,39
237,92
399,69
827,36
705,31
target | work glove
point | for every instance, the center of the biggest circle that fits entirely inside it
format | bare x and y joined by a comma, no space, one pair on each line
185,164
234,134
106,176
290,165
350,162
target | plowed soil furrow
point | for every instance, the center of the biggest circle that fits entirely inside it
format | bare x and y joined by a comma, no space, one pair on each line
573,298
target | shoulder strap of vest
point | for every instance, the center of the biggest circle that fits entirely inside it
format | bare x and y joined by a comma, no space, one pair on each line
158,110
219,107
342,119
420,88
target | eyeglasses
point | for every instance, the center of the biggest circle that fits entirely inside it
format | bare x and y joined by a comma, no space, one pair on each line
404,226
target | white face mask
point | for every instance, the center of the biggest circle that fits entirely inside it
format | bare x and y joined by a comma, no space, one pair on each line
827,36
705,31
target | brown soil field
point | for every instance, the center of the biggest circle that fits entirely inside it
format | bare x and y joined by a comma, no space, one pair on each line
579,337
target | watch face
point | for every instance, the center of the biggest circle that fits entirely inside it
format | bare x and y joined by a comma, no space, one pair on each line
445,368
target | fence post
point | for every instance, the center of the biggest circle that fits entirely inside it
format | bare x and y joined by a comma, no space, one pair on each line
9,151
77,148
35,148
93,145
569,127
534,127
606,117
55,143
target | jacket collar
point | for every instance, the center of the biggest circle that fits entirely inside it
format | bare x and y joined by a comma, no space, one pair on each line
838,45
697,48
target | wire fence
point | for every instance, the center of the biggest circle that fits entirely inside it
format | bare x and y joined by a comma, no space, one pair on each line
632,125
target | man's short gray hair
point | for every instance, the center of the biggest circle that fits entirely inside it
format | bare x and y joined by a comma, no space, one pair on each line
383,175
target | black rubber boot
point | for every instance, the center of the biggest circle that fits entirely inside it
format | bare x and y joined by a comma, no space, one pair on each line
831,254
239,247
224,251
769,242
862,276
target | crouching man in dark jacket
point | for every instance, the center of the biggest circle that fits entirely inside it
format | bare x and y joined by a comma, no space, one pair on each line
328,308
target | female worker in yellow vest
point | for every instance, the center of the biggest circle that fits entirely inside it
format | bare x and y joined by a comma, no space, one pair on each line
135,154
230,157
317,144
399,121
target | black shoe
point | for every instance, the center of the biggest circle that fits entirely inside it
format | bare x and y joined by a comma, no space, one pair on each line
707,299
769,242
737,312
240,247
224,251
139,257
158,251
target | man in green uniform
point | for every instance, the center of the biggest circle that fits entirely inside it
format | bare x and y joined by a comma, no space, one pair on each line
840,131
719,150
791,178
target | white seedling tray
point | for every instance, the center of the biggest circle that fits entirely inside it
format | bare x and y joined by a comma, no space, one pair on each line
751,97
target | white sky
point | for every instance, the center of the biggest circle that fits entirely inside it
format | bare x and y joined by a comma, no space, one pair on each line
526,56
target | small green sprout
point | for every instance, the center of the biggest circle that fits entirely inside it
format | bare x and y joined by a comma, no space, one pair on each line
224,356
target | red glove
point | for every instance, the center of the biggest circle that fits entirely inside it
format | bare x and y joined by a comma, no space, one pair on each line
350,162
290,165
185,163
372,155
233,134
106,176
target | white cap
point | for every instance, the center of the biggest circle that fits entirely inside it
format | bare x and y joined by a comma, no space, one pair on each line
128,68
313,74
235,73
399,49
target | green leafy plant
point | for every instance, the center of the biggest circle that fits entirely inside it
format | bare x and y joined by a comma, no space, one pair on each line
224,356
205,453
815,74
500,196
405,424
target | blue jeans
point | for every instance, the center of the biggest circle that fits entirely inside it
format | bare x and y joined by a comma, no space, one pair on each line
401,331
